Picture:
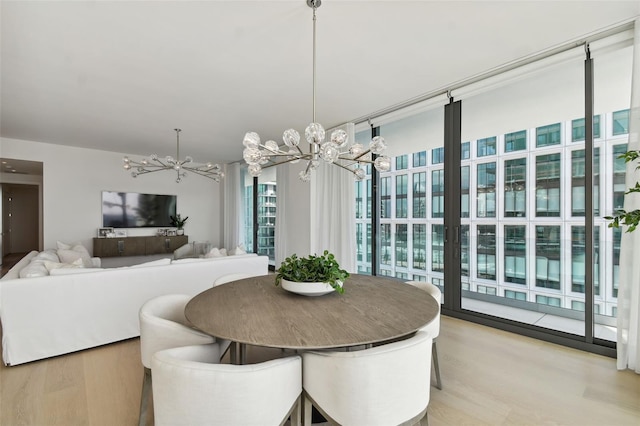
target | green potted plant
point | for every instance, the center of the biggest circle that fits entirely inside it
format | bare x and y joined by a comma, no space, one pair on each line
623,217
179,222
311,276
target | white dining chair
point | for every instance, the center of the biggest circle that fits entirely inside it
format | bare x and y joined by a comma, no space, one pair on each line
385,385
231,277
190,387
433,328
162,326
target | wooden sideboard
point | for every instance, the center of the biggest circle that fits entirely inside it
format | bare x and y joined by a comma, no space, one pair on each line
137,246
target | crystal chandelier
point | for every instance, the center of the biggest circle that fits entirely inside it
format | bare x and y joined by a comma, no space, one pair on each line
181,167
334,151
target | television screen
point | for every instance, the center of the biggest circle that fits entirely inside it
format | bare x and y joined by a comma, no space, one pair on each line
133,210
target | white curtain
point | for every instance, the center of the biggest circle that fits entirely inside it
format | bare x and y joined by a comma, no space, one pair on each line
333,210
233,229
628,345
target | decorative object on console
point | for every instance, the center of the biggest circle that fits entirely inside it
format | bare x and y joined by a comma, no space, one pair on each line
179,223
330,151
104,232
312,275
154,164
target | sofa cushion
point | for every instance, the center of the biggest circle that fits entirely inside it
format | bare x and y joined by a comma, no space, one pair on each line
35,268
56,265
49,254
216,252
74,253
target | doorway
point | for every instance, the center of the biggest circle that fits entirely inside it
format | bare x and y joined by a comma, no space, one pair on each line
21,209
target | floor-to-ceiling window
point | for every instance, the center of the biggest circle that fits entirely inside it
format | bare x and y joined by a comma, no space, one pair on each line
523,236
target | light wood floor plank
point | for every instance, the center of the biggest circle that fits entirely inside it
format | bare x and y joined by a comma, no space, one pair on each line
490,377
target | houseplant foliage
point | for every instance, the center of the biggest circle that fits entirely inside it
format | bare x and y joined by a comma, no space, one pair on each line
623,217
178,221
323,268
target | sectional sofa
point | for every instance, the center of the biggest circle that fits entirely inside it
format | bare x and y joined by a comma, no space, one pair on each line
79,308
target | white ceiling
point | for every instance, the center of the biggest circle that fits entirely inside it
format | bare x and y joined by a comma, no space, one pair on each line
121,75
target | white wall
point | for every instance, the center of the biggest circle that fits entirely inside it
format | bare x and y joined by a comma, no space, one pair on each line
73,179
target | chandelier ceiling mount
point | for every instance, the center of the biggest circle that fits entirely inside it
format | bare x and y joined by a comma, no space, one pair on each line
335,151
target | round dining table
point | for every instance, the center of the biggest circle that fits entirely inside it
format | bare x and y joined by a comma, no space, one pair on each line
255,311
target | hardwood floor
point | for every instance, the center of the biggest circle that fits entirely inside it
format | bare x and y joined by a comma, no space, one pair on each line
490,377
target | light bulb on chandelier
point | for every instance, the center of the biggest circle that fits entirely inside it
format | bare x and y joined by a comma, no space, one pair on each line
334,151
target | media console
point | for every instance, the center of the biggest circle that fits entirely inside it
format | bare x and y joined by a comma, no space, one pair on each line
137,246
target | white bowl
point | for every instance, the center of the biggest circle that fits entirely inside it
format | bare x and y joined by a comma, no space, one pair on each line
307,289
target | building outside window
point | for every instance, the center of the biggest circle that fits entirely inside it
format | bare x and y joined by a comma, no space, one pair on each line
621,122
437,248
548,257
464,191
437,193
402,162
515,254
401,196
385,244
549,135
486,252
420,246
401,245
385,197
578,126
619,176
486,147
486,190
518,295
437,155
465,150
420,159
516,141
548,185
515,187
420,195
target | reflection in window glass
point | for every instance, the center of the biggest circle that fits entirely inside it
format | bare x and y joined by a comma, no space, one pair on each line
464,250
437,155
402,162
464,191
465,150
621,122
486,252
420,246
548,257
518,295
385,244
420,159
578,126
548,185
515,254
401,196
437,193
515,187
548,135
420,195
385,197
486,198
486,146
516,141
401,246
619,175
437,248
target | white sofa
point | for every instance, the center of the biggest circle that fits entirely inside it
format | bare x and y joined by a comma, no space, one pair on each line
87,307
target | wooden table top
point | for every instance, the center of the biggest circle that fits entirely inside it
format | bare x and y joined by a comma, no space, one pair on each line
254,311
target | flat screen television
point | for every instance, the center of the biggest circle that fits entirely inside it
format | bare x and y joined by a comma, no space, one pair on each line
134,210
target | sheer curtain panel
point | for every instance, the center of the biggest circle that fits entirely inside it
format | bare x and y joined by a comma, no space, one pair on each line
233,229
333,210
629,290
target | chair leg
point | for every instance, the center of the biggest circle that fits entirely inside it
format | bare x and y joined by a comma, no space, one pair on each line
144,398
306,410
436,365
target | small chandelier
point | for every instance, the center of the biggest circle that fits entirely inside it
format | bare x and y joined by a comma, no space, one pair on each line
334,151
181,167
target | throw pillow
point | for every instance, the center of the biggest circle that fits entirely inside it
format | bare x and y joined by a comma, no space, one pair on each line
48,255
55,265
65,246
216,252
76,252
238,250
